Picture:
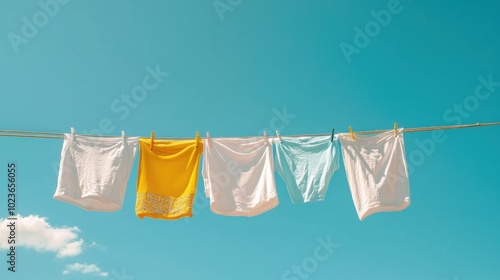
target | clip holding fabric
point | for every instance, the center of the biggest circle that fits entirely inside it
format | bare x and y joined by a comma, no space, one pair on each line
208,139
350,132
278,134
123,136
152,140
197,138
395,129
333,132
73,134
265,137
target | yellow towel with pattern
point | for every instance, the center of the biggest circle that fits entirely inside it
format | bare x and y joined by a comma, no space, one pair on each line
167,178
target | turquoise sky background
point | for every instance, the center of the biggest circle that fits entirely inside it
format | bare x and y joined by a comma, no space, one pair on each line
237,68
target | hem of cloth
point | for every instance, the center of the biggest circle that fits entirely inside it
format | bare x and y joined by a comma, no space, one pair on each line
308,201
381,208
261,209
90,203
164,207
155,216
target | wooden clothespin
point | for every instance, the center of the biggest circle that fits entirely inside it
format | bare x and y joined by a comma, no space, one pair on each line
208,139
152,140
197,138
395,129
265,137
350,132
278,134
333,132
73,134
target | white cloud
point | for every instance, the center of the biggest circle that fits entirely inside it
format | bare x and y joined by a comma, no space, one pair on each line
84,268
97,246
36,233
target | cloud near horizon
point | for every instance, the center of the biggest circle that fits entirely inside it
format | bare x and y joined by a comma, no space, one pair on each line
84,268
36,233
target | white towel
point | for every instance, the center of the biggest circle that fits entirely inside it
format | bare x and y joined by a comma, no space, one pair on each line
239,176
94,171
377,172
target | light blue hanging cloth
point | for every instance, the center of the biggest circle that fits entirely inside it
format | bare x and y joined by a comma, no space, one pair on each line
306,165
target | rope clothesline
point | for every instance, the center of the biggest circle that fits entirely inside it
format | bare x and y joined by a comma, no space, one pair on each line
56,135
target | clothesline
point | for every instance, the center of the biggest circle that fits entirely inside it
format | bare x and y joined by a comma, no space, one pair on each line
57,135
238,174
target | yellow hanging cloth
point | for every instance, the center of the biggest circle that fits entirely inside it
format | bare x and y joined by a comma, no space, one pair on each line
167,178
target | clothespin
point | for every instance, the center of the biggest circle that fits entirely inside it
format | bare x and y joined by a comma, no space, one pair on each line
395,129
73,134
333,132
350,132
152,140
197,138
123,136
278,134
265,137
208,139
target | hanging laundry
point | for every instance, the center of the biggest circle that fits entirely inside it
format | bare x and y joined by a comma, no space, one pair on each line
239,176
167,178
376,172
94,171
306,165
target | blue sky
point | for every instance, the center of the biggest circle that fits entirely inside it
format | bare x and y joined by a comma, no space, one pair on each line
237,68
